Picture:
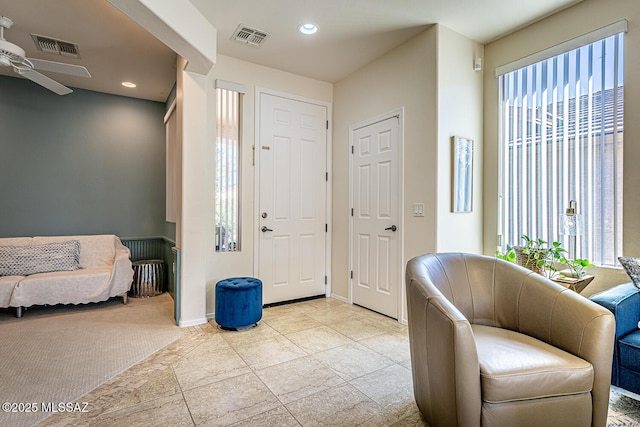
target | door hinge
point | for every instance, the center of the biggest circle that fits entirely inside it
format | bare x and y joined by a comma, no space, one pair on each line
352,149
326,176
352,274
325,280
326,228
327,124
351,211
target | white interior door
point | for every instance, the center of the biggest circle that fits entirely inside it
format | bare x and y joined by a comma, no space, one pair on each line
376,239
292,198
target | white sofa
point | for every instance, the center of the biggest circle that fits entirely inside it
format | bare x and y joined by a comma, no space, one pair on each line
99,270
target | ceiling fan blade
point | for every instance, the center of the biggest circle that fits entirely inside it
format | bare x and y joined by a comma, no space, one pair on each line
43,81
59,67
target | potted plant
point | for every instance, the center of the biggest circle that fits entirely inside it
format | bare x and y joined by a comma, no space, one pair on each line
509,255
529,254
539,256
577,266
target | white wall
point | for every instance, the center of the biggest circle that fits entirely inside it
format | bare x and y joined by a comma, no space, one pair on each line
404,77
431,77
222,265
459,114
575,21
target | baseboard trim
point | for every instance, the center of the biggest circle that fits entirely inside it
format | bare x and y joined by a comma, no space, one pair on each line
340,298
194,322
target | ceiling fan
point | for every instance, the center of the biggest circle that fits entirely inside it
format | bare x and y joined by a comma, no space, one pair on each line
12,55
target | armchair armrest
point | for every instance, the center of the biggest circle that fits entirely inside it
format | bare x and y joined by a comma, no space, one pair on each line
443,356
554,314
569,321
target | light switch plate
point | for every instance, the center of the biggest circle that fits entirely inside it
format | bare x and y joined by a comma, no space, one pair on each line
418,209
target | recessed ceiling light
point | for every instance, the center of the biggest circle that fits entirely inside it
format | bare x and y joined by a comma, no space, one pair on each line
308,28
128,84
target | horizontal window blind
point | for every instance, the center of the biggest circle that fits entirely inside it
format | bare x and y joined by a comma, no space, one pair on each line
561,138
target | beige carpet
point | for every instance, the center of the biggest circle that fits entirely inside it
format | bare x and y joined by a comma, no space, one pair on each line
58,354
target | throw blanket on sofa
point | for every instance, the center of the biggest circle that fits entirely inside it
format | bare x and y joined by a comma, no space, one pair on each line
79,270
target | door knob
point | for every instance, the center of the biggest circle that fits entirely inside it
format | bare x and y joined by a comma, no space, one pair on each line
392,228
265,229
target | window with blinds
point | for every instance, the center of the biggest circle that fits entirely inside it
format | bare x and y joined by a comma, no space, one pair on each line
561,138
227,197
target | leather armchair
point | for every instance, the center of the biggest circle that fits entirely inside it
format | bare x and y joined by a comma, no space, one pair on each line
494,344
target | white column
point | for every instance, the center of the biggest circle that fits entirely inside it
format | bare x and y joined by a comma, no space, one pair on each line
198,186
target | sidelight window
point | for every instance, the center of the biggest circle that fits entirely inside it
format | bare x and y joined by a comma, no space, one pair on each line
228,166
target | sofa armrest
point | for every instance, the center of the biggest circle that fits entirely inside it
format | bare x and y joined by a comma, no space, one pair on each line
122,272
122,251
624,302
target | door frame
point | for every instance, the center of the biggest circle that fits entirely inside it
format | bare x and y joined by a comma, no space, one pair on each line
398,112
256,173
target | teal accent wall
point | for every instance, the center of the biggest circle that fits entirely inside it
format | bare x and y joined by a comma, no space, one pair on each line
83,163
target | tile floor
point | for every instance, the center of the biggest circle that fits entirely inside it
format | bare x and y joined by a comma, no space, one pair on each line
314,363
319,362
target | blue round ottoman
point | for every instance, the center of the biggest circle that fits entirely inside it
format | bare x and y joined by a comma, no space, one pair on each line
238,302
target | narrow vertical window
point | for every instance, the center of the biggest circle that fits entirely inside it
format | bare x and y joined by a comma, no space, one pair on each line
228,151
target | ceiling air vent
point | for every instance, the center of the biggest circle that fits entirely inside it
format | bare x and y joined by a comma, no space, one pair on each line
56,47
250,36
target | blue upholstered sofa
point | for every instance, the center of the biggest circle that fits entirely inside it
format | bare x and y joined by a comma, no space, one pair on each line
624,301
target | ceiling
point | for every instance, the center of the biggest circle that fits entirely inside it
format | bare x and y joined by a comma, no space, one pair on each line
352,33
112,47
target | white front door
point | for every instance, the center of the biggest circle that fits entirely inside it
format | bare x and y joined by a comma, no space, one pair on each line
292,185
375,244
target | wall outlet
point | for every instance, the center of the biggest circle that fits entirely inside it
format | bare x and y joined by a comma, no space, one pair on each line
418,209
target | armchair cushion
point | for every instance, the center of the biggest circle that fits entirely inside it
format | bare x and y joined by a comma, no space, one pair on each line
515,366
